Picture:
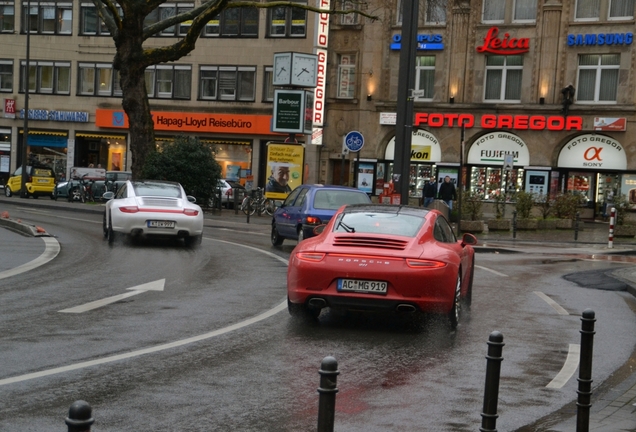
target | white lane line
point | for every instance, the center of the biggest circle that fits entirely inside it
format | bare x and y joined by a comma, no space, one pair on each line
552,303
568,369
491,271
51,250
282,306
157,285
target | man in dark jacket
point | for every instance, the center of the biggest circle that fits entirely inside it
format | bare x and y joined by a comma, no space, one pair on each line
447,192
429,191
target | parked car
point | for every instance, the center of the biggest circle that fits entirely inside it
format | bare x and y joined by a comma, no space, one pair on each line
308,206
383,258
228,189
40,182
152,208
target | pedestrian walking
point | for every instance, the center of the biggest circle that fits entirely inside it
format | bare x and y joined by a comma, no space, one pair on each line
447,192
429,191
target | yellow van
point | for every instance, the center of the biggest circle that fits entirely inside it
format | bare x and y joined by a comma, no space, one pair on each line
40,182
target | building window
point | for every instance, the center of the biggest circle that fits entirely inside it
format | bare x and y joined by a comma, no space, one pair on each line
168,10
47,77
350,18
494,11
346,76
503,78
268,84
598,78
588,10
228,83
7,17
425,76
621,9
436,11
234,22
287,22
6,76
525,11
169,81
97,79
91,23
48,18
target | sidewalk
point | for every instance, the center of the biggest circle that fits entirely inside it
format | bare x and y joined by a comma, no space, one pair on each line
613,408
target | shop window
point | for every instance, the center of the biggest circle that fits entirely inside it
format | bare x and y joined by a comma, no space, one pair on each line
268,84
91,23
598,78
346,76
350,18
7,17
6,76
286,22
492,183
47,77
588,10
169,81
621,9
425,76
228,83
98,80
500,11
503,78
234,22
433,12
47,17
167,11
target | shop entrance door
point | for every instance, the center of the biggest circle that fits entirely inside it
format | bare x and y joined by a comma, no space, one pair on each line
337,178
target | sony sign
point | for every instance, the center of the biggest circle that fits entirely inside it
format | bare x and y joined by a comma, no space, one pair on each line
321,44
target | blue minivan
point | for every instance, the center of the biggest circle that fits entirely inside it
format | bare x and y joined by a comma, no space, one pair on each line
308,206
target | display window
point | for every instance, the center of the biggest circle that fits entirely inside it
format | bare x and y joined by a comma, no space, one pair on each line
419,174
582,184
491,182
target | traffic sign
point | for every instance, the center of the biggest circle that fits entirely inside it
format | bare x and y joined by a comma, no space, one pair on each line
508,162
354,141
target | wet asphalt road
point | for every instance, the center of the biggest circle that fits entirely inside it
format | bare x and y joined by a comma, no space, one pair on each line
262,376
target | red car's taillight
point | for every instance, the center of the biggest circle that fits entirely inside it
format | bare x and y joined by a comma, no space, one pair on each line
311,256
422,263
129,209
312,220
190,212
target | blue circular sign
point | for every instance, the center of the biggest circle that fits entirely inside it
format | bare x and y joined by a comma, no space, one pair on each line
354,141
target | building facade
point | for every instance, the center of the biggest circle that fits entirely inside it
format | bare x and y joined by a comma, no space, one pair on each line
503,70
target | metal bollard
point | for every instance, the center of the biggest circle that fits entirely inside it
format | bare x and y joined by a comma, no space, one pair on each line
235,195
610,243
327,402
514,224
583,403
577,220
491,393
79,417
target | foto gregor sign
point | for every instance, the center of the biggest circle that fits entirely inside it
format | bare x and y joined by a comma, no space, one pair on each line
293,111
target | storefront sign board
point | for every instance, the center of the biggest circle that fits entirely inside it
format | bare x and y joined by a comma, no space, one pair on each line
499,121
491,149
424,147
291,111
9,108
192,122
592,151
610,124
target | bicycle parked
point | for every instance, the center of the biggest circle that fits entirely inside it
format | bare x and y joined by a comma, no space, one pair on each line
258,204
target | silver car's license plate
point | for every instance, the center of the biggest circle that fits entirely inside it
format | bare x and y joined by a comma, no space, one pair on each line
160,224
362,286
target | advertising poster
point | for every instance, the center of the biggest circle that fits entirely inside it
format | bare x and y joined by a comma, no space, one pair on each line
443,173
365,177
379,179
284,169
232,172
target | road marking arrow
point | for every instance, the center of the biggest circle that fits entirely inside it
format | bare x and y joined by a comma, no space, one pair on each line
150,286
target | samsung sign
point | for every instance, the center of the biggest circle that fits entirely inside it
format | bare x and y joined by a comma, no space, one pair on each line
601,39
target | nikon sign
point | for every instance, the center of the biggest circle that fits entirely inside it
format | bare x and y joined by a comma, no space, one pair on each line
293,111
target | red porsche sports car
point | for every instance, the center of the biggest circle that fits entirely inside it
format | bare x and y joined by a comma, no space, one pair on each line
383,258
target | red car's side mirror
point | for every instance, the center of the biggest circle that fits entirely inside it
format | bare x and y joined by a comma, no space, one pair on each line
469,239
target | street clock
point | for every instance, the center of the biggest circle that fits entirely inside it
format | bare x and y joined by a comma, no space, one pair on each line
295,69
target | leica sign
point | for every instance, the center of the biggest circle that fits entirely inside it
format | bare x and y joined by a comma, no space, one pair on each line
503,46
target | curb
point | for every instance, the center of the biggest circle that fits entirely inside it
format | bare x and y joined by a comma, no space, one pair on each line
22,228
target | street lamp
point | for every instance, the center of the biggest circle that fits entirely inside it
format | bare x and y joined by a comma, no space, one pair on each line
25,132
